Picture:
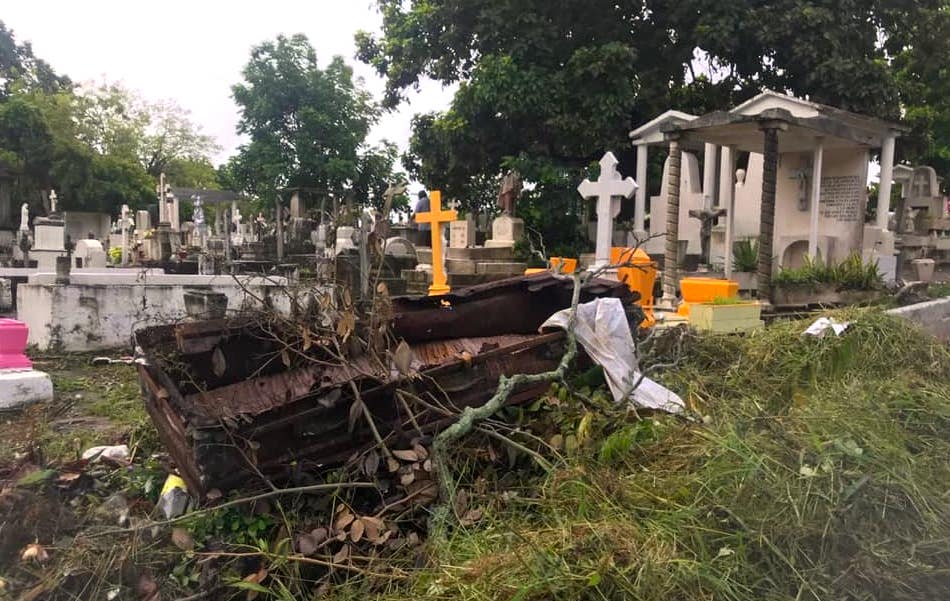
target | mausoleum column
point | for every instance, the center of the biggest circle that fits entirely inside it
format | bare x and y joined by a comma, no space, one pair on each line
727,199
710,153
770,131
671,257
887,176
640,208
815,198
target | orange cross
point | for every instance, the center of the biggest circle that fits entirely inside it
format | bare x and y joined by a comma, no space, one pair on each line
437,217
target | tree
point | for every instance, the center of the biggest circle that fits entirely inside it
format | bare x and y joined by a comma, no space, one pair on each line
115,120
552,85
20,68
307,126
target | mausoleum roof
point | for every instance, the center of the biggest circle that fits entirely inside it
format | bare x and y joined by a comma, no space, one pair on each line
651,132
740,127
797,134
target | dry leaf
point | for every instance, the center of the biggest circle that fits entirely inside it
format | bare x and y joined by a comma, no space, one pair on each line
372,526
213,495
356,410
356,532
423,492
345,519
306,544
345,326
182,539
255,578
427,465
407,479
407,455
320,534
307,342
371,463
402,358
471,516
34,552
219,364
392,465
67,477
342,554
285,358
421,452
148,588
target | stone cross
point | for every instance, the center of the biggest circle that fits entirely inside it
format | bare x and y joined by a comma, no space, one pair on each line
124,224
609,189
52,201
436,216
706,218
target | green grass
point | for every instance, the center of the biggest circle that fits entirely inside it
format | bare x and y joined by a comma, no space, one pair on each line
819,471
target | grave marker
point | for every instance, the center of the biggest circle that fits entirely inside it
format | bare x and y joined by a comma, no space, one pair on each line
437,217
609,189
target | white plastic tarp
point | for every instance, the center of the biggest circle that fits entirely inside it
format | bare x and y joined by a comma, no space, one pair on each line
602,329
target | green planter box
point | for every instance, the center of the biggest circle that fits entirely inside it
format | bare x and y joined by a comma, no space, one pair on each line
738,317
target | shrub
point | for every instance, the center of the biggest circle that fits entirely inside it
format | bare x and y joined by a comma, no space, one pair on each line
850,274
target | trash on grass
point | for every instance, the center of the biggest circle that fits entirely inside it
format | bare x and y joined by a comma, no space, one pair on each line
602,329
174,498
115,453
822,325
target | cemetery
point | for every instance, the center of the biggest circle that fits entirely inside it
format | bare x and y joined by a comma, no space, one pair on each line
698,349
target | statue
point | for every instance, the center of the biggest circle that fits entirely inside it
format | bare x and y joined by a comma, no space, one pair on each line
801,176
740,177
25,218
706,218
510,191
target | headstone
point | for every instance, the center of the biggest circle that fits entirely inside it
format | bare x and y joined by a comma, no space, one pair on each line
89,253
462,233
19,382
49,236
344,239
296,210
609,189
143,222
506,231
400,247
124,226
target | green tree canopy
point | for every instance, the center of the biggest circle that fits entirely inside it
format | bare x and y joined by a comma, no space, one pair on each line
549,86
307,126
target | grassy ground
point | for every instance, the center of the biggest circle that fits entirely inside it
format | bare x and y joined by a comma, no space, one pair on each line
814,469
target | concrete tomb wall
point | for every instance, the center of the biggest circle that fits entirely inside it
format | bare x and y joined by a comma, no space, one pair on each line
691,197
98,311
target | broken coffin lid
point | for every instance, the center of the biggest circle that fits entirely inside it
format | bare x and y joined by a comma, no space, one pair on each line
512,306
227,406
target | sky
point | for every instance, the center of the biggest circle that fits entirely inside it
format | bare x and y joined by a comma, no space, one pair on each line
193,52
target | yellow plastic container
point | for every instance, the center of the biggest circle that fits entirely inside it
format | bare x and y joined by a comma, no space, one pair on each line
705,290
569,265
639,276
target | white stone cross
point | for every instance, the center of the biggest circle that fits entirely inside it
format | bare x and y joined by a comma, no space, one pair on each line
609,189
52,201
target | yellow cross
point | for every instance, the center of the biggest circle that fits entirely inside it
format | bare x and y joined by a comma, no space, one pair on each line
437,217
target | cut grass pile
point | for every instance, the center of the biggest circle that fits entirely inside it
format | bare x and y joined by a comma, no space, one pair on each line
820,471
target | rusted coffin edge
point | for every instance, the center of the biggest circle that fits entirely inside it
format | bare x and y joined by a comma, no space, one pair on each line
512,306
275,427
258,395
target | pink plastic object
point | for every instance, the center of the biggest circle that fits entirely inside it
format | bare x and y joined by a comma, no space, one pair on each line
13,336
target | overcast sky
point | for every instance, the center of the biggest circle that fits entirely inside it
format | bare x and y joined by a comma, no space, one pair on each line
193,51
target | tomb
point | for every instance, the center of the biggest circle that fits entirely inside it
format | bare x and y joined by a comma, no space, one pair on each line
805,181
19,382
